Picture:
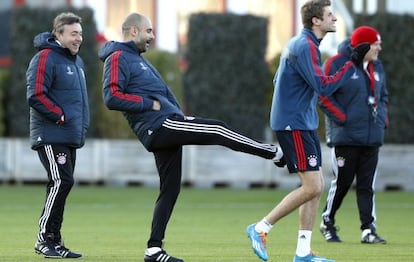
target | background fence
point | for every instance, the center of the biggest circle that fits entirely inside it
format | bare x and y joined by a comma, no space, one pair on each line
126,162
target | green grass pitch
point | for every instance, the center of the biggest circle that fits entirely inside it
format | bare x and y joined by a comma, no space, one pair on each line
112,224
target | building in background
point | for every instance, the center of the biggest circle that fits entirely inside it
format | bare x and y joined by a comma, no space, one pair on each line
170,17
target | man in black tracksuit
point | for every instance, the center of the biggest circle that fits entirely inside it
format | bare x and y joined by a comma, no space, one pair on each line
59,118
132,85
357,116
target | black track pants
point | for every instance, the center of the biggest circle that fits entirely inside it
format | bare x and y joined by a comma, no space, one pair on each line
167,148
59,162
179,131
350,162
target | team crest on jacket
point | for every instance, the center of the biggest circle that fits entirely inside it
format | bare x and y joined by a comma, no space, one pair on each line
61,158
69,70
312,160
143,66
340,161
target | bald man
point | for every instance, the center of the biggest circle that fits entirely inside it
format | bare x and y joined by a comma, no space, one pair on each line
133,86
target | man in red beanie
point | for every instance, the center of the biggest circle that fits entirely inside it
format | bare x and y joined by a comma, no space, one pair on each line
357,116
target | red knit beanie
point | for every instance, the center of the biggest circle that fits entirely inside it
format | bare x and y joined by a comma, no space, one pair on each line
364,34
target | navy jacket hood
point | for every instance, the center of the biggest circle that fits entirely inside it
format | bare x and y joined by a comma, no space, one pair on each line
109,47
44,40
345,48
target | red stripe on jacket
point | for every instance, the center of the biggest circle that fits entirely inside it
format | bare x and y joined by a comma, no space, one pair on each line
325,100
114,78
332,108
325,79
40,78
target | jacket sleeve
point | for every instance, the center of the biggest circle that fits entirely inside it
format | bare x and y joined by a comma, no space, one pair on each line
309,66
384,99
39,76
115,83
328,104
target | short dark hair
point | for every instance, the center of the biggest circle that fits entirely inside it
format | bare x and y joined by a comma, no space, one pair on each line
311,9
64,19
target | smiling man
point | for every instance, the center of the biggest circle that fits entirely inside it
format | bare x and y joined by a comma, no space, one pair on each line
59,119
357,116
133,86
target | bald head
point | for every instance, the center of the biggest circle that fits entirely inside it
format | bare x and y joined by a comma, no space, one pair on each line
138,28
132,20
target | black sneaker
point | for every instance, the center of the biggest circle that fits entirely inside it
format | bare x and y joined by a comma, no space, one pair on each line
161,256
47,249
372,238
328,231
51,247
281,162
66,253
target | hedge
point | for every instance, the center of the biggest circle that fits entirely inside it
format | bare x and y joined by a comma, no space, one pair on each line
227,75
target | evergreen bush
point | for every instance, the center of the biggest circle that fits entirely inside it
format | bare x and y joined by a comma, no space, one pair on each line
227,76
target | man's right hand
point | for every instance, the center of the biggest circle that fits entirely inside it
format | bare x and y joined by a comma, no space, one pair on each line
61,120
359,52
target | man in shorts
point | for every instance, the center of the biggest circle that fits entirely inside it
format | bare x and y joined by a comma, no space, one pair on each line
294,118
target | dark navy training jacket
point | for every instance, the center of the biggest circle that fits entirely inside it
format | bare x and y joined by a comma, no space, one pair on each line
56,86
131,84
298,81
350,118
